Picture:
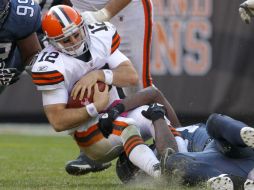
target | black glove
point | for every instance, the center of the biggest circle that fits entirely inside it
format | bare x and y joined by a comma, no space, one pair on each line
154,112
8,76
106,120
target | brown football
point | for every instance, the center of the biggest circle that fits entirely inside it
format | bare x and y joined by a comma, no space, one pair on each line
86,100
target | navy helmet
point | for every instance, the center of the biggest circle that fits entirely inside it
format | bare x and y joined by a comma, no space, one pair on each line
4,10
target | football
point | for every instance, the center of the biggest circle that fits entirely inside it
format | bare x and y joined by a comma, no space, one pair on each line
86,100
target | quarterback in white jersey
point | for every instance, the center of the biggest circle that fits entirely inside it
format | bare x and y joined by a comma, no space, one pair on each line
134,20
54,69
77,57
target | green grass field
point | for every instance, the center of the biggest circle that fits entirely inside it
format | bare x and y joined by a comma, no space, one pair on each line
37,162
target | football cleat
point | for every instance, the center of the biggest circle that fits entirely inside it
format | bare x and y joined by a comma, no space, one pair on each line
221,182
156,171
247,135
249,185
84,165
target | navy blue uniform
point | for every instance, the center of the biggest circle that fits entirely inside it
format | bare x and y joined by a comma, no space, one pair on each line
196,136
225,154
23,19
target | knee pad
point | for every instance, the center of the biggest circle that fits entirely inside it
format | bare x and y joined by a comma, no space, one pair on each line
128,132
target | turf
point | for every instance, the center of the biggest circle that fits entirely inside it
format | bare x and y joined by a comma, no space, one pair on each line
37,162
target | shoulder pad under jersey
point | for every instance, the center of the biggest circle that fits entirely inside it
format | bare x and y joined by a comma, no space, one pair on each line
46,74
104,37
24,18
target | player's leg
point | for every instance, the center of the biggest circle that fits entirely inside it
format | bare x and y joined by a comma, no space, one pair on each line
84,165
139,153
136,43
96,152
195,167
190,170
124,135
237,133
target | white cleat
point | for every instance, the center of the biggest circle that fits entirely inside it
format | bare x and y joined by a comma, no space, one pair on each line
221,182
247,135
156,171
249,185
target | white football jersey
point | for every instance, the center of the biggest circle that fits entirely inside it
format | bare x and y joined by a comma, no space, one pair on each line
90,5
54,70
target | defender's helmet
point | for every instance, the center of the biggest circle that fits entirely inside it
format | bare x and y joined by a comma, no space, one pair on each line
125,170
4,10
65,29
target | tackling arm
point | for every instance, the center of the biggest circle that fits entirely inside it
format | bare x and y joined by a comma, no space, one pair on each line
151,95
29,47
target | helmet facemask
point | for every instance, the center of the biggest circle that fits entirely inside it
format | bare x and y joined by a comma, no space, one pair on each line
74,48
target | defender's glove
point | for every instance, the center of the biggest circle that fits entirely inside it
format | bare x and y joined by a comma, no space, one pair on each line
106,120
246,11
91,17
154,112
8,76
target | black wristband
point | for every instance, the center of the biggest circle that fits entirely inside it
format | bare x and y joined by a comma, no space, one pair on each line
120,108
157,115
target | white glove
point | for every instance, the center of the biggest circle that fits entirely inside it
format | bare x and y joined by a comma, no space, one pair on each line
246,11
91,17
8,76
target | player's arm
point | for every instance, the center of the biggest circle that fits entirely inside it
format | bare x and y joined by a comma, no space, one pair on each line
246,11
147,96
62,118
122,75
106,13
115,6
29,47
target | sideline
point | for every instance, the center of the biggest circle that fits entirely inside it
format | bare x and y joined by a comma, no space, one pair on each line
29,129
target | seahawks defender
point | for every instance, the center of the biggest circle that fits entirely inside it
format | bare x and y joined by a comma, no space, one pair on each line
19,21
200,158
224,161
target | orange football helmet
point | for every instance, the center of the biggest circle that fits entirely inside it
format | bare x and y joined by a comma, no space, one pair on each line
66,31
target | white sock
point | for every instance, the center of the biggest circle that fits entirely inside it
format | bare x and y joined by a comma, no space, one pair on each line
143,157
